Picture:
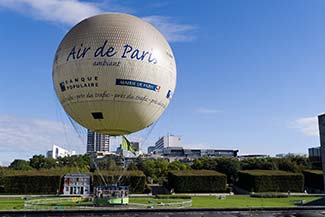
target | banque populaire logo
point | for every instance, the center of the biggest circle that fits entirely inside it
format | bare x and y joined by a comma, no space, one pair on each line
81,82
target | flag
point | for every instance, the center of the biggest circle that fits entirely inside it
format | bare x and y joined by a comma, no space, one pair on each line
127,145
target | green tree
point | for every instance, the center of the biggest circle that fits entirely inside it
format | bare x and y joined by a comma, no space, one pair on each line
157,170
20,165
161,170
258,163
177,165
288,165
132,166
197,164
302,162
107,164
228,166
148,168
41,162
79,161
204,163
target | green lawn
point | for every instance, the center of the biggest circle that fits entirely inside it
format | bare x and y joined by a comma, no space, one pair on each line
11,203
247,201
146,200
235,201
197,202
157,202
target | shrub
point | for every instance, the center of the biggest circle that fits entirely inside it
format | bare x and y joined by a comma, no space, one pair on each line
50,181
314,179
31,184
197,181
270,195
34,181
270,181
172,196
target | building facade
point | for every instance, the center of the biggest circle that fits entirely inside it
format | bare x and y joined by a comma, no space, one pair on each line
167,141
321,126
151,149
314,152
179,153
58,152
97,142
76,184
314,155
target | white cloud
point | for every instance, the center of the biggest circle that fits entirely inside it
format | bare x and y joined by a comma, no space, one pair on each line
21,137
173,31
308,126
73,11
203,110
63,11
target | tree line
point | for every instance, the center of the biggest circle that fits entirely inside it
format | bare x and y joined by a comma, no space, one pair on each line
41,162
157,171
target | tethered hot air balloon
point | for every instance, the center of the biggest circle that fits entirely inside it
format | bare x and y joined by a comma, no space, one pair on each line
114,73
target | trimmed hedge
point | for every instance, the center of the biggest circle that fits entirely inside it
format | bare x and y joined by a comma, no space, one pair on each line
51,181
135,179
31,184
270,195
32,181
270,181
197,181
173,196
314,179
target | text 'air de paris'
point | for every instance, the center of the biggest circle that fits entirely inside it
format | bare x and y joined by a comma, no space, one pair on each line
127,52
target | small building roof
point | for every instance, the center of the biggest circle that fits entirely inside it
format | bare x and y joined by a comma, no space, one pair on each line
77,175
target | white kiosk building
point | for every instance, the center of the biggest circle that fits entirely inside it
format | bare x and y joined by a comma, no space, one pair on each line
76,184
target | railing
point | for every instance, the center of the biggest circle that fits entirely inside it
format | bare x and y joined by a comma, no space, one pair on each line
75,203
176,204
52,203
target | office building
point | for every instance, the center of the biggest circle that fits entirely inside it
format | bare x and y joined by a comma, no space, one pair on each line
248,156
314,152
57,151
97,142
321,126
151,149
284,155
281,155
314,156
167,141
179,153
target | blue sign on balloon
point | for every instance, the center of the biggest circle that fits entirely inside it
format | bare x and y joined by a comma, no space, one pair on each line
140,84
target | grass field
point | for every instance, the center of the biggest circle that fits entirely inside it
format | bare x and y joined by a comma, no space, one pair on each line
246,201
11,203
236,201
197,202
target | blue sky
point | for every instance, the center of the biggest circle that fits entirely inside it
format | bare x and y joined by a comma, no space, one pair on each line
250,74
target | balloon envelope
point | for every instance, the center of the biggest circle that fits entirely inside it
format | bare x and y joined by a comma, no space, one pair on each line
114,73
